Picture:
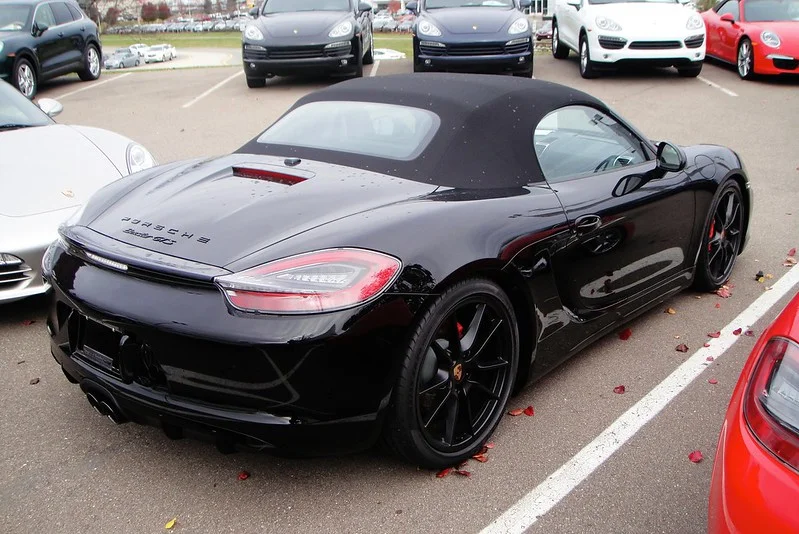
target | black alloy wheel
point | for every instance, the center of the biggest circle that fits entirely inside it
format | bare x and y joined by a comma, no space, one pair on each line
457,375
722,238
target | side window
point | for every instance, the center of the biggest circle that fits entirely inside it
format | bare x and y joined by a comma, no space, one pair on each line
61,13
75,11
578,141
44,16
731,6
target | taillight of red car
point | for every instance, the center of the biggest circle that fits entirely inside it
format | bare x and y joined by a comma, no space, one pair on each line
771,405
314,282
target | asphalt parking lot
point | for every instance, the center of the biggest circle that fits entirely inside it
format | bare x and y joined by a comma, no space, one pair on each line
66,469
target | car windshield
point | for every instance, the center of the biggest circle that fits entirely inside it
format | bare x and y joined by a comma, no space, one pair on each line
372,129
13,17
771,10
633,1
438,4
290,6
16,111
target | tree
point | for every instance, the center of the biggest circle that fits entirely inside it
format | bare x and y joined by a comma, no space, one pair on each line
394,6
208,7
149,12
90,8
164,11
111,16
231,6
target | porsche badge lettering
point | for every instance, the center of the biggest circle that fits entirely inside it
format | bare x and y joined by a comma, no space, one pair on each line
160,228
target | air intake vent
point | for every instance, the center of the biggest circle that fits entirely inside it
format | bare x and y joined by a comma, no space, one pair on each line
13,271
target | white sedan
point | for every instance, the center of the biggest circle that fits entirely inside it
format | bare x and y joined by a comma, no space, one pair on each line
158,53
613,33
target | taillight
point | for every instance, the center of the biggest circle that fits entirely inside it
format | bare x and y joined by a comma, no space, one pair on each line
771,406
320,281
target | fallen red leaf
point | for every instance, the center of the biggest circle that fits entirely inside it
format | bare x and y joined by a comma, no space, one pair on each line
625,334
244,475
723,292
682,347
444,472
695,457
463,473
529,411
718,305
749,333
706,345
462,464
737,331
714,334
482,457
28,322
792,252
489,445
516,411
713,381
619,390
709,359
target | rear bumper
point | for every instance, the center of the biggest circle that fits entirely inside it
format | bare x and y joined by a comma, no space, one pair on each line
174,356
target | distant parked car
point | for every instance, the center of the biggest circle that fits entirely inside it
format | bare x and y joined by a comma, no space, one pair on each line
157,54
41,40
140,49
121,59
390,25
544,32
405,25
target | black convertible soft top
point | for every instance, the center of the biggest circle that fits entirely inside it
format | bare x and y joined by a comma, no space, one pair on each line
485,139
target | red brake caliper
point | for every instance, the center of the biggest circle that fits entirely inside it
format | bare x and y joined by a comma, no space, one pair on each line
712,231
460,330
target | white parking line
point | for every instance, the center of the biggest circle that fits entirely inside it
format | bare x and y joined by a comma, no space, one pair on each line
211,90
559,484
92,86
376,66
716,86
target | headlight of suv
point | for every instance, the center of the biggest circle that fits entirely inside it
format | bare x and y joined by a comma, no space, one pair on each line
520,25
139,158
428,28
770,39
252,33
694,22
604,23
342,30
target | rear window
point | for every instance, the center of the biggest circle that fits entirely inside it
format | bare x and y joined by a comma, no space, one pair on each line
372,129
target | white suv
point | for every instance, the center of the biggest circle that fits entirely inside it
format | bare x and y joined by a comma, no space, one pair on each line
610,33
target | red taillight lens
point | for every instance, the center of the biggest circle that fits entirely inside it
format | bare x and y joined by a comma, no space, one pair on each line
771,406
320,281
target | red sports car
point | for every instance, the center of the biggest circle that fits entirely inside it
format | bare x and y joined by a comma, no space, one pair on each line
759,36
755,485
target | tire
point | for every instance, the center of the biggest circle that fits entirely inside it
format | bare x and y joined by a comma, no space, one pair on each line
254,83
587,69
24,78
712,271
422,426
746,60
559,50
369,58
690,72
358,72
91,64
137,63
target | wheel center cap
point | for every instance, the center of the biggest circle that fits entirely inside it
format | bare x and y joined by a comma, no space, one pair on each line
457,372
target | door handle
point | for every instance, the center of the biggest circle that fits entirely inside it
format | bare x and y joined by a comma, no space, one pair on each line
587,224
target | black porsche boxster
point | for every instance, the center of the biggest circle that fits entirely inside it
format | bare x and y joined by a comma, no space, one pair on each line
390,259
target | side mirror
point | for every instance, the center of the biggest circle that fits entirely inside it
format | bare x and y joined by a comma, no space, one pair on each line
364,7
50,107
39,29
254,12
670,158
413,7
524,4
727,17
574,3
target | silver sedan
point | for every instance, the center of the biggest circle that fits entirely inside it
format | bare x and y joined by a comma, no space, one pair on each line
47,172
